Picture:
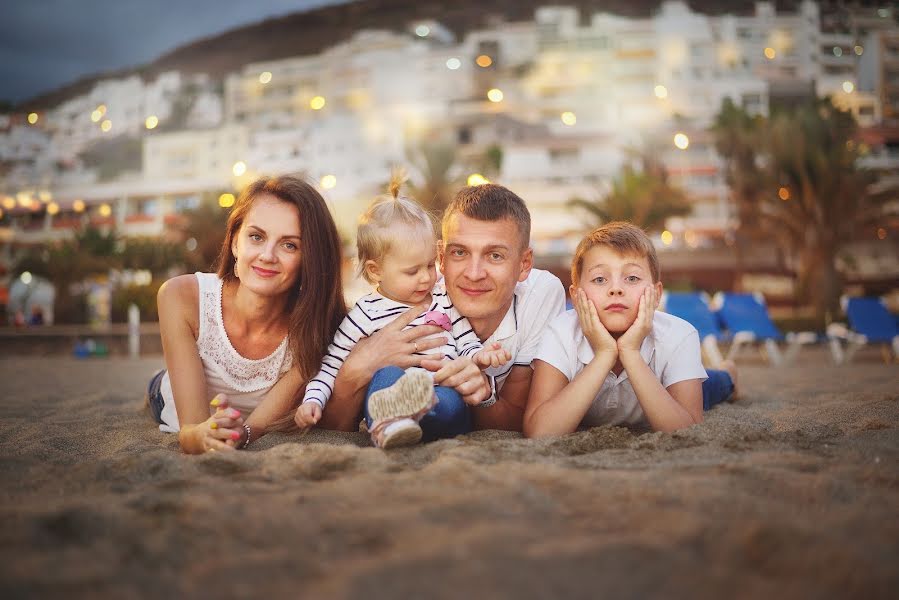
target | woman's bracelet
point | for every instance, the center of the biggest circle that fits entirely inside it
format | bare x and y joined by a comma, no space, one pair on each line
246,442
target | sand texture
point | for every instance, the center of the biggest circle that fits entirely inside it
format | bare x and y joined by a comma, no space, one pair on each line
791,492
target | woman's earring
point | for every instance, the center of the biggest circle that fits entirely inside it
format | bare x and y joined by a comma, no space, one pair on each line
235,270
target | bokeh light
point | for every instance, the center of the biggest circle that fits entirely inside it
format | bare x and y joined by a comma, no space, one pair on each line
681,141
569,118
226,201
667,237
477,179
32,118
483,61
495,95
453,63
151,122
660,91
265,77
239,168
317,103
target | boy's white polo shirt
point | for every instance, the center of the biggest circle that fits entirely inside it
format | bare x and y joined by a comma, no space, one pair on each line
671,350
537,301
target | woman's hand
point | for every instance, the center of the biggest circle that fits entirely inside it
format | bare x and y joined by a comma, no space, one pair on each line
463,375
601,341
220,432
308,414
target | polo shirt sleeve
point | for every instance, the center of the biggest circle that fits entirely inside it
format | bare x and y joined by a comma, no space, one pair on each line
684,361
557,347
542,304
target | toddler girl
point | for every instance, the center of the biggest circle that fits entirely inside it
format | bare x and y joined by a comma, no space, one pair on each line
397,253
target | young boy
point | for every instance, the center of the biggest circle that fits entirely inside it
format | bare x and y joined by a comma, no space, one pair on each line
613,359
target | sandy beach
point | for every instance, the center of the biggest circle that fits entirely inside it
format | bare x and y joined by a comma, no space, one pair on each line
791,492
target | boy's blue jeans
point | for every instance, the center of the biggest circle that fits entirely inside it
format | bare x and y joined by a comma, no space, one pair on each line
716,389
449,417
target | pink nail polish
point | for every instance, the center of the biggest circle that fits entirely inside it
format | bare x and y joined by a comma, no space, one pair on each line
235,436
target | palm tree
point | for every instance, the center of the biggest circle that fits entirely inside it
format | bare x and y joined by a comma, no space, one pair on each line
808,190
643,196
433,159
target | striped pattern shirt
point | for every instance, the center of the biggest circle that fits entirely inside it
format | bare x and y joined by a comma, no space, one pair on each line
368,316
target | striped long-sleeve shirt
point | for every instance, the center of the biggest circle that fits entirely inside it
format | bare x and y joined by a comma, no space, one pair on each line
369,315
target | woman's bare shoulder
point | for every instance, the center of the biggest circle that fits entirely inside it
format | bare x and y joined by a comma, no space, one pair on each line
179,294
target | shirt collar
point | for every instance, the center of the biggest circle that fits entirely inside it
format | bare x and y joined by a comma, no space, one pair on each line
509,325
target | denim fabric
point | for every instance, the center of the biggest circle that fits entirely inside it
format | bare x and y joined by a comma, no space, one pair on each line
449,417
716,389
154,393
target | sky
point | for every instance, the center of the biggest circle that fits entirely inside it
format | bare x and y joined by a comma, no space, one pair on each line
45,44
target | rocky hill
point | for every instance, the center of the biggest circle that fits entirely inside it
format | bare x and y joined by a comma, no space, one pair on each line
304,33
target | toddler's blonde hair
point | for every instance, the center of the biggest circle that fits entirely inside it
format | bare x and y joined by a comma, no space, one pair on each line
390,219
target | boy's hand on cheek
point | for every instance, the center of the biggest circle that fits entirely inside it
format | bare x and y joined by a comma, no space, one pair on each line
633,338
597,335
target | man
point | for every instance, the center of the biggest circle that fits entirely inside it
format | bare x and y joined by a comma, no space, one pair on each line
488,271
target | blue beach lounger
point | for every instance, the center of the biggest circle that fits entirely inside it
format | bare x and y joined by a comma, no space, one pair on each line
693,307
746,317
869,322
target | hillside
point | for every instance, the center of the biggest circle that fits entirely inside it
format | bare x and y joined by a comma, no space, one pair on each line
310,32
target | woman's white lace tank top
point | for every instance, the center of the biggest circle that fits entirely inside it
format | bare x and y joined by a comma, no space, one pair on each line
244,380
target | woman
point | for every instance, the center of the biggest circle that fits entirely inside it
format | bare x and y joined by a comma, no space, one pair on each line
250,335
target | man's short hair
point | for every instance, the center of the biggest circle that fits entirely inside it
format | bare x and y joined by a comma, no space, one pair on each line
491,202
624,238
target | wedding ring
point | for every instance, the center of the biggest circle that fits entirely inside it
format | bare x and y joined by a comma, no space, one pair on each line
415,345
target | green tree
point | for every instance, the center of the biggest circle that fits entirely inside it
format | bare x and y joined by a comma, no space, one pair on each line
796,177
641,194
206,226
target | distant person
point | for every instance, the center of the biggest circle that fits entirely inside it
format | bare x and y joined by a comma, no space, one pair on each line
488,272
614,360
397,253
37,315
249,336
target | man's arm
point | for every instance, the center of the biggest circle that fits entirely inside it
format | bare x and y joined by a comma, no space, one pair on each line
508,411
391,346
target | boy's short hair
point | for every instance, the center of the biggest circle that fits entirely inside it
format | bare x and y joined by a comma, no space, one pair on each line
491,202
624,238
390,219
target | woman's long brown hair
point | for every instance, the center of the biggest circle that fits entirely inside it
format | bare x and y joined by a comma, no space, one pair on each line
315,302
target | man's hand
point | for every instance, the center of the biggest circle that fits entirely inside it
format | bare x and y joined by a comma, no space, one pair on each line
601,341
494,357
396,346
633,338
463,375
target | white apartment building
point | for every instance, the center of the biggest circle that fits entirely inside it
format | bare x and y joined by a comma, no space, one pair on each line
112,107
564,97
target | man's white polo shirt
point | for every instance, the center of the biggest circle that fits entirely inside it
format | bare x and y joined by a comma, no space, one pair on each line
537,301
671,350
